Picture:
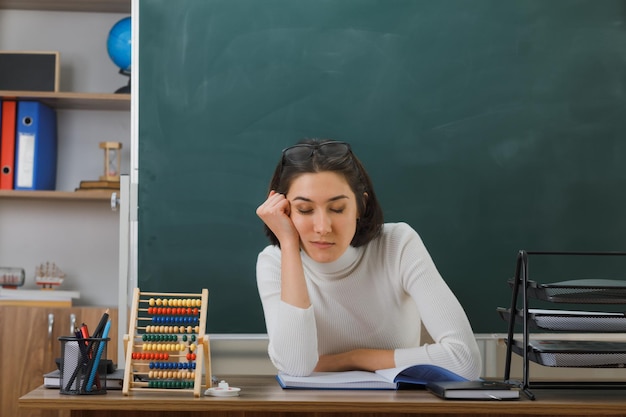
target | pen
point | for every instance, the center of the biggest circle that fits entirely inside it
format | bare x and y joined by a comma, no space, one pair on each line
97,334
96,361
102,323
85,332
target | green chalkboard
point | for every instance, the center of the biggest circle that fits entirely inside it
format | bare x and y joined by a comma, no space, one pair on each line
490,126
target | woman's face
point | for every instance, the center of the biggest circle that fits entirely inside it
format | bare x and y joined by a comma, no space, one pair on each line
324,211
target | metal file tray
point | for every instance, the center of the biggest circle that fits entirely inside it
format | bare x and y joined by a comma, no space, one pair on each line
584,291
570,320
574,353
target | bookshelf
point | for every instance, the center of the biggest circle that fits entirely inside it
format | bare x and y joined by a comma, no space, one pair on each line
74,101
68,100
99,195
77,230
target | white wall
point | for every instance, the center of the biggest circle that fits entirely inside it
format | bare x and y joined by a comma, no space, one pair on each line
81,237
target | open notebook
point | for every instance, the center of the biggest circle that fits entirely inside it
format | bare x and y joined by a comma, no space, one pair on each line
416,376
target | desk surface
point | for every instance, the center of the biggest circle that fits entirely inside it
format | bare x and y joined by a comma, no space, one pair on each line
263,395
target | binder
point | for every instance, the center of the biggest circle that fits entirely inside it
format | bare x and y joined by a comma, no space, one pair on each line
36,146
7,144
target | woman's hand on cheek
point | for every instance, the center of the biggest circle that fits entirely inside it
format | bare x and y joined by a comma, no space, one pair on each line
275,212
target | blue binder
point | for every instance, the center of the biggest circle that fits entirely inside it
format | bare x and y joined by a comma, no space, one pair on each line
35,146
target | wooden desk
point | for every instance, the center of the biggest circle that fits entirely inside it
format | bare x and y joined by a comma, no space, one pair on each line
262,397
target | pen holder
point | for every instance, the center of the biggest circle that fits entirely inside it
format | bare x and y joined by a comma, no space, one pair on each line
80,360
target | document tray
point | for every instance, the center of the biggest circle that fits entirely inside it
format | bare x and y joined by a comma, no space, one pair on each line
568,320
584,291
575,353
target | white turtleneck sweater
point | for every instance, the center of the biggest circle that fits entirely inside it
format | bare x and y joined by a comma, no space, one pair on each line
375,296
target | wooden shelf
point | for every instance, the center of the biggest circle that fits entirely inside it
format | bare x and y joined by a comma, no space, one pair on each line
98,195
76,101
101,6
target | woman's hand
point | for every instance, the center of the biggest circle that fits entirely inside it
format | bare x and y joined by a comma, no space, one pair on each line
356,360
275,212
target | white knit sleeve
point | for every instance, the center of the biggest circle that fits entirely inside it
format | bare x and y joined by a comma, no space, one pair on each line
455,346
291,330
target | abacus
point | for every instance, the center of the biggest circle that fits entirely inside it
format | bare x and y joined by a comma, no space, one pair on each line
166,343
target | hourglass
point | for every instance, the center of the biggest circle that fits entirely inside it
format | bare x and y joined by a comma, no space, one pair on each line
112,152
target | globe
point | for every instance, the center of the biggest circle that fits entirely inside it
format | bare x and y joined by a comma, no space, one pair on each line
118,47
118,44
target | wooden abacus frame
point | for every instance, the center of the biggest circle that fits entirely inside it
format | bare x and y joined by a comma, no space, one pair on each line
133,344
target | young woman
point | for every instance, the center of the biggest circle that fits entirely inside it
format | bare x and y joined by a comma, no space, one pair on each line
340,289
